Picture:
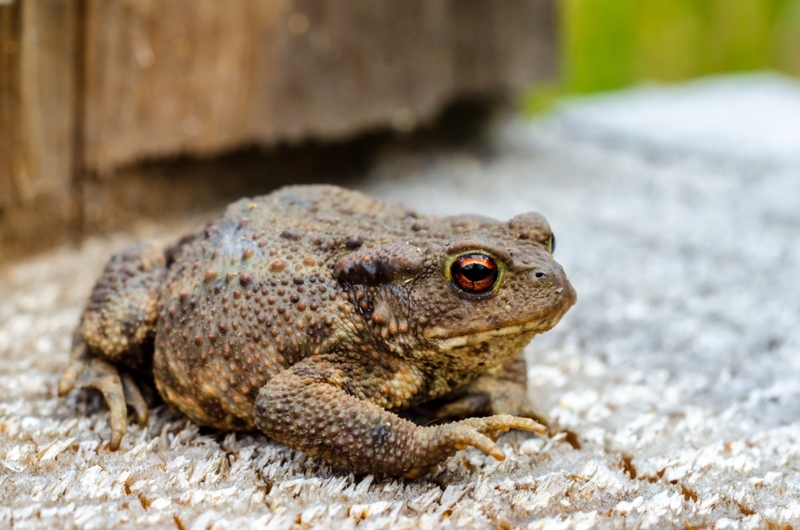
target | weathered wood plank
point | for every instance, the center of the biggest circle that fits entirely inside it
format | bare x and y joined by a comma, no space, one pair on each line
38,102
47,97
9,45
503,43
198,77
89,88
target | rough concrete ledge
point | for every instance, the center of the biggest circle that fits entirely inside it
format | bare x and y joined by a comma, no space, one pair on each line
674,379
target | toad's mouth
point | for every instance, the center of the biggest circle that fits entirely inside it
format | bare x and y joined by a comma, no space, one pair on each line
444,339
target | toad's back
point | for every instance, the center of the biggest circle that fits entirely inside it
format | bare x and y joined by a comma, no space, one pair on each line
254,293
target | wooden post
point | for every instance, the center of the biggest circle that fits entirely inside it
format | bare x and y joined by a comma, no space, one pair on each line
37,122
89,89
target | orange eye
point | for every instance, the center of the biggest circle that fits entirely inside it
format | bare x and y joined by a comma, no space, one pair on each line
474,273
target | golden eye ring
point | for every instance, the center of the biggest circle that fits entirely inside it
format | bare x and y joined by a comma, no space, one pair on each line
551,245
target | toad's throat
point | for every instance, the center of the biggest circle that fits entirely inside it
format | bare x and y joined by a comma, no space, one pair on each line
444,342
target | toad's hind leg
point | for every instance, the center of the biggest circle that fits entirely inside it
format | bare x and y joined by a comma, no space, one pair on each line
115,336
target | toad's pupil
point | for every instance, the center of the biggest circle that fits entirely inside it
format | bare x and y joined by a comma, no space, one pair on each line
474,273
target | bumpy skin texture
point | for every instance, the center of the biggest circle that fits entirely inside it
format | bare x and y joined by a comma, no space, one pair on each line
315,312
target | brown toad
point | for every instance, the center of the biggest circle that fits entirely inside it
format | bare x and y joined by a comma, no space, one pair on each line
313,312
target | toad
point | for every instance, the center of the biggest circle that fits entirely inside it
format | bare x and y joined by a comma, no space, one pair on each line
316,313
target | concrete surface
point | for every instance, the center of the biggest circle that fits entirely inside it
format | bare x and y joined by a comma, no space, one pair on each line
675,379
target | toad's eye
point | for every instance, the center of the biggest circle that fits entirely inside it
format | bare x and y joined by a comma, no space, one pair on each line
474,273
551,244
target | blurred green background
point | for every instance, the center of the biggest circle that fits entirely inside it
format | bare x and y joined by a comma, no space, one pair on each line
608,44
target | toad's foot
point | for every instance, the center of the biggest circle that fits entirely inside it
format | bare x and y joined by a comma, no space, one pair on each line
118,389
441,442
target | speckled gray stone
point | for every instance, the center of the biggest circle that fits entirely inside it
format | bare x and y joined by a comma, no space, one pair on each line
676,377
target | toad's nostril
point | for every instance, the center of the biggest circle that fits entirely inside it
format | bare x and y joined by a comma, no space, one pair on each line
540,275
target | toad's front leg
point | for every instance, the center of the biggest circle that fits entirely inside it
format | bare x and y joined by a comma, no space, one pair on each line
308,408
